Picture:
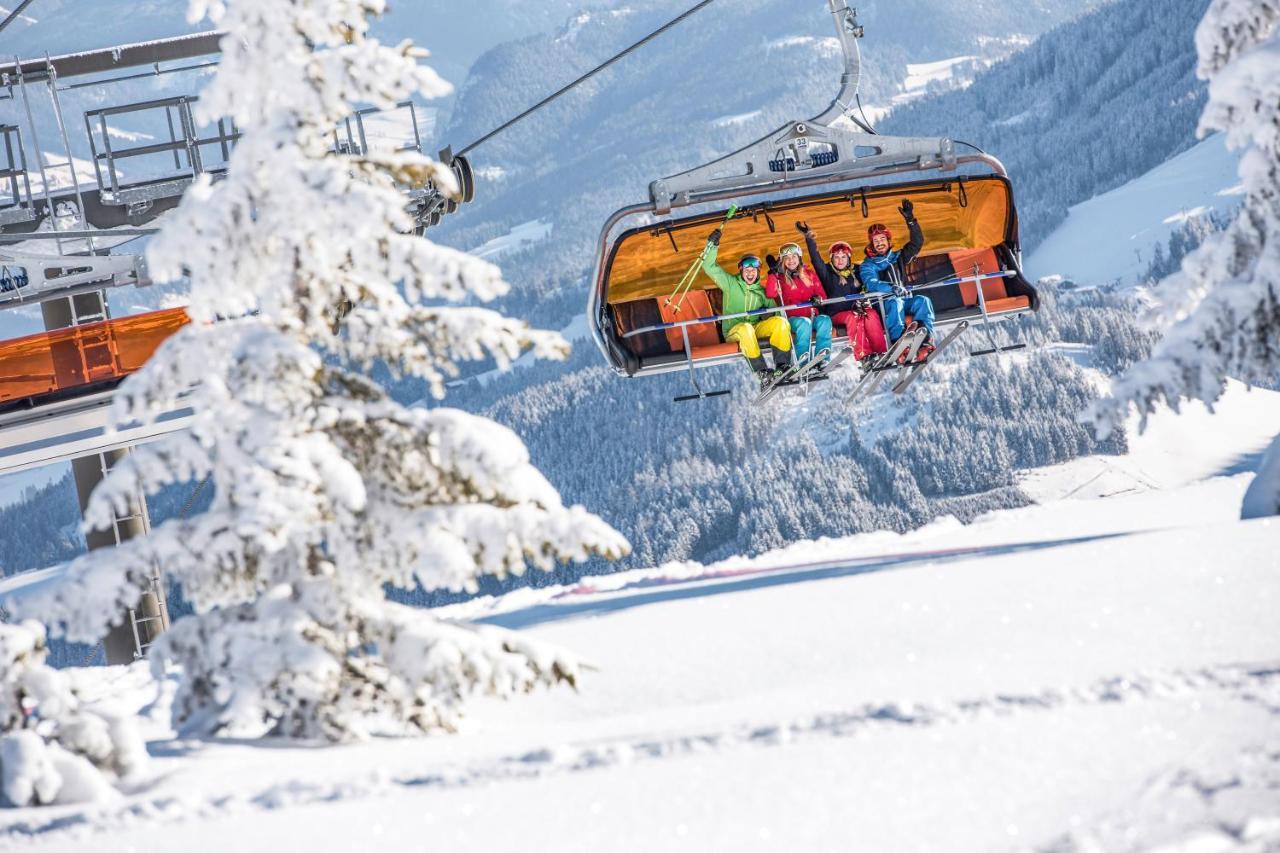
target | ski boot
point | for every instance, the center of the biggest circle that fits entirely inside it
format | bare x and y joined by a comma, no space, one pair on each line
764,374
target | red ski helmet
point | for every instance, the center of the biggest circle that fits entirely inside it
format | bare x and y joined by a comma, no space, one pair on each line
840,246
879,229
872,233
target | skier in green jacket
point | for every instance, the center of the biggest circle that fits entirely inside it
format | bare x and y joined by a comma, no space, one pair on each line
745,292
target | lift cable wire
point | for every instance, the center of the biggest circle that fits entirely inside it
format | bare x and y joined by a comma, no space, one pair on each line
12,16
585,77
866,122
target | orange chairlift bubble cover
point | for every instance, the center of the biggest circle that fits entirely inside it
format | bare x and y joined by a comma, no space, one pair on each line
82,355
645,265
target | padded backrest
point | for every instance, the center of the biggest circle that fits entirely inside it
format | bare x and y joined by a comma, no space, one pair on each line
695,304
954,214
986,262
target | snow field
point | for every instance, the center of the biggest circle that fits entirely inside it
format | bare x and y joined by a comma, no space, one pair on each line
1118,691
988,703
520,237
1113,235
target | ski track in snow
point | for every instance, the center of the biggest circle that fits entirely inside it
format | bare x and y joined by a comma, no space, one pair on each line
1252,684
1224,802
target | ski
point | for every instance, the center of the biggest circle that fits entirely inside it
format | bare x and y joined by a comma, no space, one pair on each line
835,362
799,382
794,376
917,368
872,376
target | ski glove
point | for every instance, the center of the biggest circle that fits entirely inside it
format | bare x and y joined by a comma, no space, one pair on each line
714,239
803,228
772,263
900,291
908,210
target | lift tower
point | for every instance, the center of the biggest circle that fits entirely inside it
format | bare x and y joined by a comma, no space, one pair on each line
71,286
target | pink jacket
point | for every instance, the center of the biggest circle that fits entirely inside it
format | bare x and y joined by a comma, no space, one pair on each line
801,287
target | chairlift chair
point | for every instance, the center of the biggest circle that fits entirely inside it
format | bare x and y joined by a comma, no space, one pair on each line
834,172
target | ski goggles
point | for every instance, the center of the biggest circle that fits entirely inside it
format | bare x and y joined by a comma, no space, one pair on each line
841,247
790,249
749,261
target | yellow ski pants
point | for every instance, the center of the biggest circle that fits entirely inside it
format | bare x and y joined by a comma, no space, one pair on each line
748,335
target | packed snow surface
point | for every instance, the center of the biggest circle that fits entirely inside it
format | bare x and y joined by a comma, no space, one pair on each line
919,76
1092,673
738,119
1112,236
520,237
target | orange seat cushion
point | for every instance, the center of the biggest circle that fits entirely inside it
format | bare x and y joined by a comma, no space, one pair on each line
713,350
1009,303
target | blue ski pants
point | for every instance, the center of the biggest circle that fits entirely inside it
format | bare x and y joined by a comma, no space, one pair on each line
895,309
802,328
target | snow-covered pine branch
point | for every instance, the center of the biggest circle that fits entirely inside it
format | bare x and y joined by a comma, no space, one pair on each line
1223,307
52,749
327,490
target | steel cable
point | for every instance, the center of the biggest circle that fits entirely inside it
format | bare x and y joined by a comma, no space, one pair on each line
585,77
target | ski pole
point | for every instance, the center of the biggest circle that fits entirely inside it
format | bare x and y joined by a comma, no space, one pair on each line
686,282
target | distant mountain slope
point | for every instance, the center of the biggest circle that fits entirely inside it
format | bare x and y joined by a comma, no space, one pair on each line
43,529
458,33
1087,107
724,78
67,26
1113,236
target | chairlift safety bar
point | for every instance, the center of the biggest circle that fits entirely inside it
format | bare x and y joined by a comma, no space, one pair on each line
817,303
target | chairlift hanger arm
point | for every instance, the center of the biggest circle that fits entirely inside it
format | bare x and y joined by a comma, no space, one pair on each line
809,153
848,31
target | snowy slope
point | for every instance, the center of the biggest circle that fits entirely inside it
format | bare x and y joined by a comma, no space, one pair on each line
1113,235
1046,678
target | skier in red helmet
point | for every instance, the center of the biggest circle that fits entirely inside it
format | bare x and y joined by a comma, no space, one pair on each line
839,277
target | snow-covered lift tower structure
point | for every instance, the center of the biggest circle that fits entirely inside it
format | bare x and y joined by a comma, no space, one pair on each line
78,219
65,244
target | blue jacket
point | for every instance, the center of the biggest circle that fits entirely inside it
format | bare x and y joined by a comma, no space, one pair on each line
881,272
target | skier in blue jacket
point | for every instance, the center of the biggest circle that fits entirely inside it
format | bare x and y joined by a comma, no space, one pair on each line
884,271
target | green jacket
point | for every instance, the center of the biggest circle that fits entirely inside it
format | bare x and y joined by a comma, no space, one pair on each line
738,295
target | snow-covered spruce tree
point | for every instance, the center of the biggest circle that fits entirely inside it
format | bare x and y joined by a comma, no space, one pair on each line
1224,304
327,491
52,749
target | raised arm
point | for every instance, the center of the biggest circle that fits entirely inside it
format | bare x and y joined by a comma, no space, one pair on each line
713,270
915,241
825,274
